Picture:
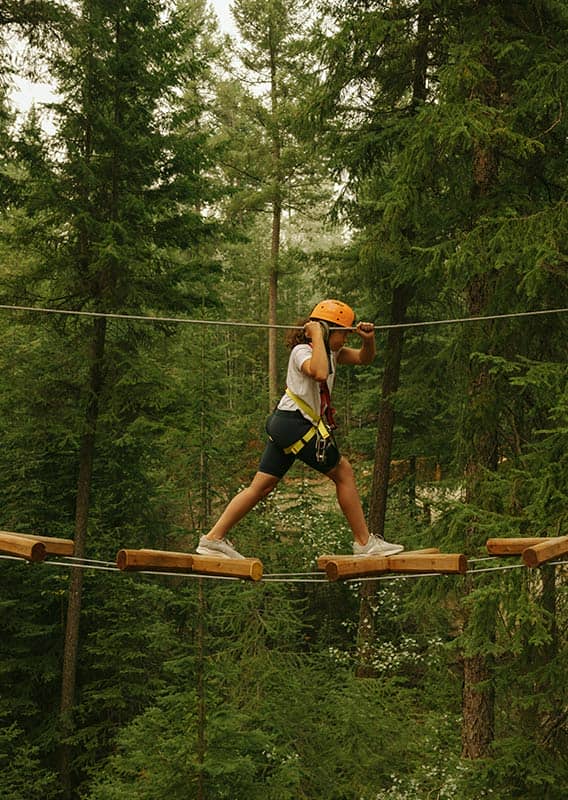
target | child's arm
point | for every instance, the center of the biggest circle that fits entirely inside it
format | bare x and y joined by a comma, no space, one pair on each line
317,367
368,350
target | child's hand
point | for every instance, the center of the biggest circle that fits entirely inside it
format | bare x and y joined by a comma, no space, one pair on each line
366,330
313,328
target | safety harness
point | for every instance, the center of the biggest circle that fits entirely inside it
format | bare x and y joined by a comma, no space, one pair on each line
322,424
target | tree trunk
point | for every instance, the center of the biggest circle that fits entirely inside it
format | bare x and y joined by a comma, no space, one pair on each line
549,650
400,299
391,379
201,697
86,459
273,302
385,424
478,711
478,704
275,239
550,720
381,470
480,433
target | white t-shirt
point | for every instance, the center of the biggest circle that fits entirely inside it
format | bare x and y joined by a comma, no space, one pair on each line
306,388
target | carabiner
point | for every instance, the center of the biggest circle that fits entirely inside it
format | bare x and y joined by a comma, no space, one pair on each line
321,447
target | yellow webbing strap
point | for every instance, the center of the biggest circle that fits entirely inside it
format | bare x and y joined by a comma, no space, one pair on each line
318,425
303,406
297,446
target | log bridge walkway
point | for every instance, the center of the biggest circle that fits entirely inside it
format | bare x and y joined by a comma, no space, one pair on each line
534,552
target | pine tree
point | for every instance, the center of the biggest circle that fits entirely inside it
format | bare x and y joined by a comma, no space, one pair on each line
476,163
279,169
117,214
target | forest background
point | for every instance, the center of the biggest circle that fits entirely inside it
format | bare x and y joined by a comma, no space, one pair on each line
408,157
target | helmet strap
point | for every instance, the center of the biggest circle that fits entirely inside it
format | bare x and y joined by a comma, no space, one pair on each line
325,329
326,332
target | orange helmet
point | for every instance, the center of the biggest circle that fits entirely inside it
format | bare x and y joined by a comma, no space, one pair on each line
334,311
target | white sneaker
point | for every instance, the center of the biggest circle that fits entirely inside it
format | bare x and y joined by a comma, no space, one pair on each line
217,547
376,547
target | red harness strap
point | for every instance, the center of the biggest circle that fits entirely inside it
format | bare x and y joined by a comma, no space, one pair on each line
326,409
327,412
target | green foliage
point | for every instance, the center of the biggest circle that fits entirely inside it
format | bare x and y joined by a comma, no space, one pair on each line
278,724
147,200
21,773
31,608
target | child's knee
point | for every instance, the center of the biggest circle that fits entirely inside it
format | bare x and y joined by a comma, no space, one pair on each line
262,488
343,472
347,474
265,491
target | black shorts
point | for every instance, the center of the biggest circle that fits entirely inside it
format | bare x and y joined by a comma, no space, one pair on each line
284,428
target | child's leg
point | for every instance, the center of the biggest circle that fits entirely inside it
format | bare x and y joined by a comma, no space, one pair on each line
349,500
261,485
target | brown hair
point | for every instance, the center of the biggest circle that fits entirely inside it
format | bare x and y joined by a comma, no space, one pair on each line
297,335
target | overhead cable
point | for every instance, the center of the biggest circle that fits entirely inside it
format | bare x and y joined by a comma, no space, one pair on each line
232,323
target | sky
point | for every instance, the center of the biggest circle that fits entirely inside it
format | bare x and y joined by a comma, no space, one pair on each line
26,93
221,8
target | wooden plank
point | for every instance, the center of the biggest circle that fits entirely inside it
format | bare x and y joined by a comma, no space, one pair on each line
427,551
412,562
444,563
16,544
152,560
545,550
53,546
355,566
250,568
323,560
132,560
512,547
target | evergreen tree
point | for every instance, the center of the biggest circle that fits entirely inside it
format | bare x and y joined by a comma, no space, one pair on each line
116,225
278,169
455,196
468,162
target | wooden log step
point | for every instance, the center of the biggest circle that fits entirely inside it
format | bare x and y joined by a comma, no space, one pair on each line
514,546
545,550
53,545
356,567
152,560
323,560
17,544
412,562
445,563
250,568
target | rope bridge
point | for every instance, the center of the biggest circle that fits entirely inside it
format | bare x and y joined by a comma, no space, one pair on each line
534,552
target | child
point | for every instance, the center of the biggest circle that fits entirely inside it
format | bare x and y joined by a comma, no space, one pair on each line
300,428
